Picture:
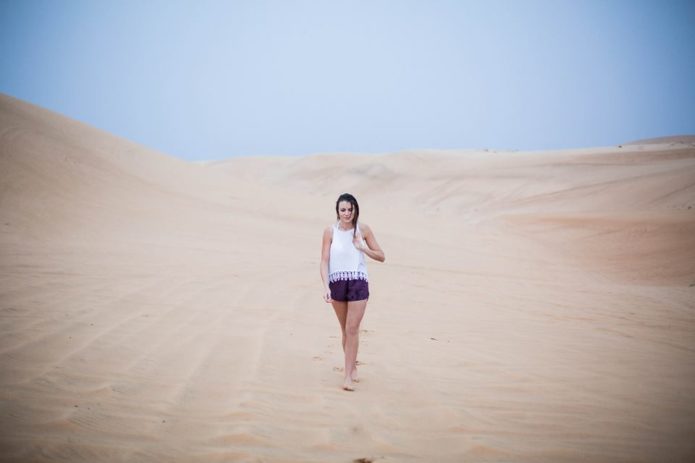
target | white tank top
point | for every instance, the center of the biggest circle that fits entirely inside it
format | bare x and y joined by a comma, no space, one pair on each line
346,262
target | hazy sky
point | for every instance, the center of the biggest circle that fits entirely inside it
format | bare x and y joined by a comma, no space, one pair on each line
210,80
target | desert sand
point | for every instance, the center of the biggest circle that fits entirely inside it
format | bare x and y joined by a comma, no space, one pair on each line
533,306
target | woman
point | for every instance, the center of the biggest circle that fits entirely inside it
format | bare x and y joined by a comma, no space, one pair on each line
344,275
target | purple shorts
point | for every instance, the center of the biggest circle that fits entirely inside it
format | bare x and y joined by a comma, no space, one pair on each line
349,290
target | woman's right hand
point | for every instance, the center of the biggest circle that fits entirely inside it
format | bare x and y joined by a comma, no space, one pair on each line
327,296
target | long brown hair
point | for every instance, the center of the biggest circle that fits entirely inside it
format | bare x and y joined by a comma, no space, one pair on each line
355,209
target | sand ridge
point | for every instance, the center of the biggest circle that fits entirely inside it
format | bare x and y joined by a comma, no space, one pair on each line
534,307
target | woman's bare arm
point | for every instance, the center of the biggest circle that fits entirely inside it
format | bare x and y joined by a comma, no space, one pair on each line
372,249
325,255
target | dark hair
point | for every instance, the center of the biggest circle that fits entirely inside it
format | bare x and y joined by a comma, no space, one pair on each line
355,209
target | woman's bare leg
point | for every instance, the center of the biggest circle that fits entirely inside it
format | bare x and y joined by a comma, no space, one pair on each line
340,308
355,312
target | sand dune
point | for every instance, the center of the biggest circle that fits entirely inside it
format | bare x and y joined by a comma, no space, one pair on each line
534,307
675,139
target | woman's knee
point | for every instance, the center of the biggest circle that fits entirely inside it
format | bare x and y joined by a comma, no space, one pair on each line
352,330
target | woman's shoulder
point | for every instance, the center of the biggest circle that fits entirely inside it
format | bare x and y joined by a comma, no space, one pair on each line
328,230
364,228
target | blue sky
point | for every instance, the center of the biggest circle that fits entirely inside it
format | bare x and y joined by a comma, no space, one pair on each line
216,79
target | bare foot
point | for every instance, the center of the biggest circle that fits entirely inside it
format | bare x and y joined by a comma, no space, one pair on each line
354,376
347,385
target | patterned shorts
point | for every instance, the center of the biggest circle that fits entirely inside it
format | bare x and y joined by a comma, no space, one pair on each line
349,290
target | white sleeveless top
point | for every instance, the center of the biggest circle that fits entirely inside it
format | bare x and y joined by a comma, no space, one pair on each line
346,262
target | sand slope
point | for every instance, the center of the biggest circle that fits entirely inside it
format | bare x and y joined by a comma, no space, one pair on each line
534,307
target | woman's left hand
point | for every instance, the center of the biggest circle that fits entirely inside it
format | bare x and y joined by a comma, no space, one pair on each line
358,243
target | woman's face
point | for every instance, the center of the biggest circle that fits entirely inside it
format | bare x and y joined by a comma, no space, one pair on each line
345,211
